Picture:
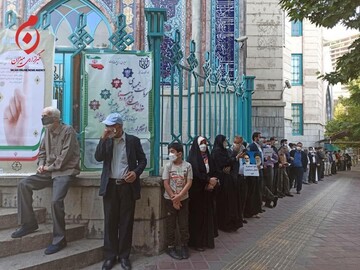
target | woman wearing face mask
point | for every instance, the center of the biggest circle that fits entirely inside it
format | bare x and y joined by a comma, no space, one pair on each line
202,218
228,216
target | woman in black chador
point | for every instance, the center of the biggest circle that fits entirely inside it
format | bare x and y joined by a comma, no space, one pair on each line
226,202
202,218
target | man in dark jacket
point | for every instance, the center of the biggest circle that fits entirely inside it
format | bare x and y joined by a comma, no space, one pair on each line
299,165
313,165
237,152
123,163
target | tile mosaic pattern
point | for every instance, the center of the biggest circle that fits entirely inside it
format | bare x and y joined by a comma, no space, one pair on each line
176,20
225,18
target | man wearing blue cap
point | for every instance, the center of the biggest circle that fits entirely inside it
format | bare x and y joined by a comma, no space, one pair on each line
123,163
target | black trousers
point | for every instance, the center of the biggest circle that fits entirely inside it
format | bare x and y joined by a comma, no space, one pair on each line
243,193
177,219
119,208
312,172
298,172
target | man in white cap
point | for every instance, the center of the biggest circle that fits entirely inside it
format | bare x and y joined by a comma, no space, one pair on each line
123,163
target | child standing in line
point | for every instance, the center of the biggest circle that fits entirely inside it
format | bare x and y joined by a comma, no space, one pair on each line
177,177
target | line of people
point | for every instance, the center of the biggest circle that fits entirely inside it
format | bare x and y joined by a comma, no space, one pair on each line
210,191
214,190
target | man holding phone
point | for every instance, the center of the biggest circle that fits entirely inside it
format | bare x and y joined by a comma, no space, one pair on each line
123,163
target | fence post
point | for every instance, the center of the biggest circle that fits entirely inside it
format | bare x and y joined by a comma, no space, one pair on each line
249,90
155,21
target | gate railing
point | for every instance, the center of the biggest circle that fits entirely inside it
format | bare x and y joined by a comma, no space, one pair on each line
193,103
186,102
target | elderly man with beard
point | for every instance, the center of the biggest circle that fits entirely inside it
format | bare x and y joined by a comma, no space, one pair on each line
58,163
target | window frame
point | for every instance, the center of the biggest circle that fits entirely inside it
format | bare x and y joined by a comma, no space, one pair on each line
300,108
296,28
300,69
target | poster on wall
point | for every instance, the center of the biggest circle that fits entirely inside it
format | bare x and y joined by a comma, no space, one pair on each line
119,83
24,77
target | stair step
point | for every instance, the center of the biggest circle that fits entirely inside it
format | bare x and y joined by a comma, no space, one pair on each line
37,240
76,255
8,217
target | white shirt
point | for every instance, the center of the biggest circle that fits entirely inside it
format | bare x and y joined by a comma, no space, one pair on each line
119,163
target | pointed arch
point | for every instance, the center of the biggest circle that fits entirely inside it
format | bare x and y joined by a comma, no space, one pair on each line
64,18
42,5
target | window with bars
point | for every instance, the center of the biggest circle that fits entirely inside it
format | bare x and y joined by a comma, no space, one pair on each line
296,28
297,119
297,69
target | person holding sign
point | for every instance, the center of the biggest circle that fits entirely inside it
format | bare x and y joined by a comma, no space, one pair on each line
270,159
237,152
283,178
253,203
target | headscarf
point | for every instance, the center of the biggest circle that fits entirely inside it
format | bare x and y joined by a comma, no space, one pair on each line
196,159
199,139
219,153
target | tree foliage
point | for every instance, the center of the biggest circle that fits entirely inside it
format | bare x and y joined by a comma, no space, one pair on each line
346,115
328,13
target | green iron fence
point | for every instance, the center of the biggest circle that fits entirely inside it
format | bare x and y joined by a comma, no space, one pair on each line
189,102
203,103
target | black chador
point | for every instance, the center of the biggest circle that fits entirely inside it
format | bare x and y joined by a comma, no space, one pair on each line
226,205
202,217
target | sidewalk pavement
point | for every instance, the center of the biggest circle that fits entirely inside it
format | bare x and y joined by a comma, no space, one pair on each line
317,229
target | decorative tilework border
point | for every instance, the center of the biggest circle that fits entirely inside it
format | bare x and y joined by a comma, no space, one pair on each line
222,33
128,8
176,17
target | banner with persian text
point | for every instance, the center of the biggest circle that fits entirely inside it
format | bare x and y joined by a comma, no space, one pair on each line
115,83
25,75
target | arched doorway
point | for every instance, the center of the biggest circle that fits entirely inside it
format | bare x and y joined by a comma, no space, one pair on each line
64,18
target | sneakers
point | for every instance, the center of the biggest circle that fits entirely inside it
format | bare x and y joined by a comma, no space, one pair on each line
25,230
172,252
51,249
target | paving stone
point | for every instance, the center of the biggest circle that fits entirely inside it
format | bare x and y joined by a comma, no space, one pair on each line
318,230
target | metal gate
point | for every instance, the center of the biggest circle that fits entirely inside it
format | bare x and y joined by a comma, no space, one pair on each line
187,101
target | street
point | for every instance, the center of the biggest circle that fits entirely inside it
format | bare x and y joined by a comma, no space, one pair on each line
318,229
